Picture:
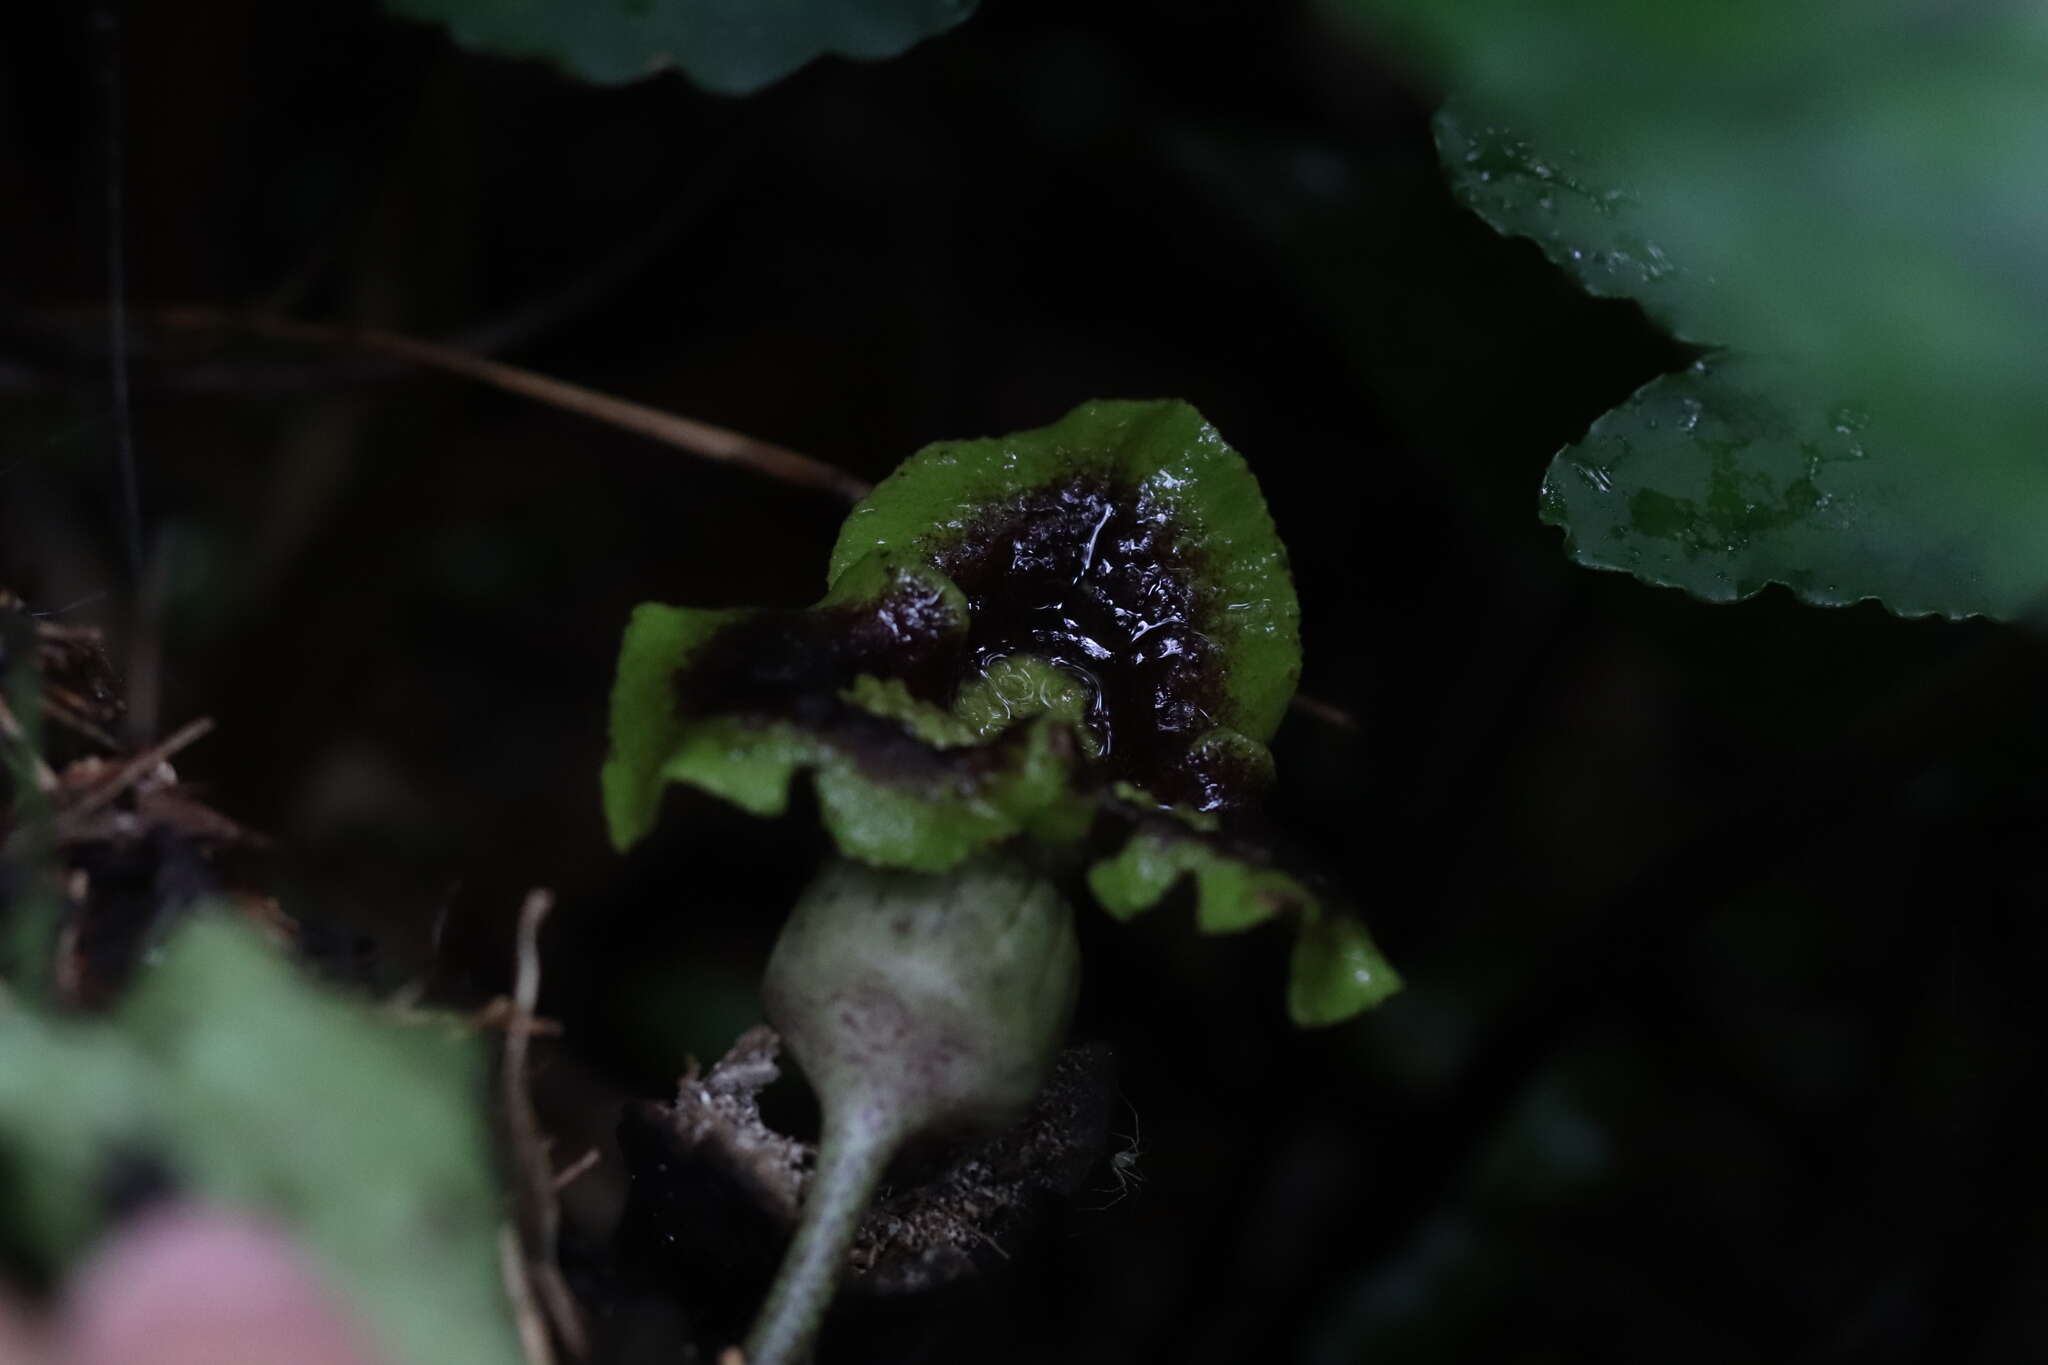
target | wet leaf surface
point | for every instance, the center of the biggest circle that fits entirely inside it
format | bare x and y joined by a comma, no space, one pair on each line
1843,199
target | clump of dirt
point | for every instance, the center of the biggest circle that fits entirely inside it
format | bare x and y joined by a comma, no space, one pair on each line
714,1192
719,1117
984,1200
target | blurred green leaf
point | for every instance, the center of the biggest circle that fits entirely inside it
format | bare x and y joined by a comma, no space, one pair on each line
361,1135
1844,195
733,47
1705,480
1337,971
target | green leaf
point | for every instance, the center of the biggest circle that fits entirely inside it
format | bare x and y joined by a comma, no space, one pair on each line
733,47
360,1134
1844,195
1703,481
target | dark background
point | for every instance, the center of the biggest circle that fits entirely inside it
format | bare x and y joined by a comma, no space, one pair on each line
1721,924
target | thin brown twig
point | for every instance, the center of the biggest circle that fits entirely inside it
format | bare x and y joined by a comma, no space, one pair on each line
540,1213
1329,713
577,1169
672,429
54,631
526,1319
135,769
67,708
502,1013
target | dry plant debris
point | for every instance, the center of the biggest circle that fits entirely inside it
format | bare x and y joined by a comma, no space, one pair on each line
135,846
948,1213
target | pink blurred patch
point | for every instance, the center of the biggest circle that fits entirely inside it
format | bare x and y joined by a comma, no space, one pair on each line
19,1339
189,1286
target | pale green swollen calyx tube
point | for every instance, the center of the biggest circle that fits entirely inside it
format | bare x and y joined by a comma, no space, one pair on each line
916,1005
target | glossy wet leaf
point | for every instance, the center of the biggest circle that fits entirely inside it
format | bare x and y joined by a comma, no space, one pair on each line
1707,481
1843,196
253,1088
734,47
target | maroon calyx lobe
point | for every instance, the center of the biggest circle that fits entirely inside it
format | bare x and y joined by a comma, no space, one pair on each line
1096,578
794,664
1092,576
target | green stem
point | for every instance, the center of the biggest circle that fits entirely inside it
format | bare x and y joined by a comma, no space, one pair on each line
851,1158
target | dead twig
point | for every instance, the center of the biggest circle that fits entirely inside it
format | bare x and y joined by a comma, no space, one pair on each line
503,1014
134,770
577,1169
672,429
533,1330
1329,713
540,1212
